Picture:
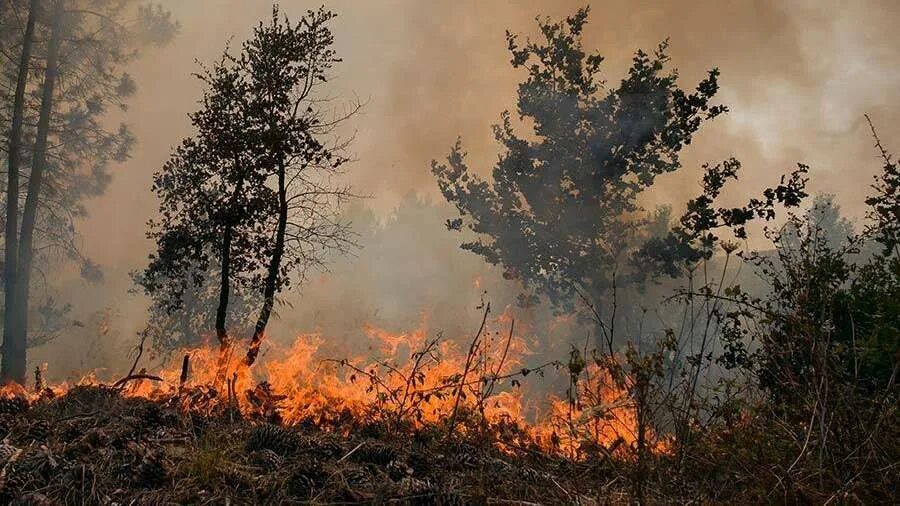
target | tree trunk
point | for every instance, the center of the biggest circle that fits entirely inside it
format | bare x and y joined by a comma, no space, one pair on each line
225,261
12,365
274,268
35,183
224,288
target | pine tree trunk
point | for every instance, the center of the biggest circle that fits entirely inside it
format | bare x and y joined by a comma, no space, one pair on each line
274,268
12,365
35,184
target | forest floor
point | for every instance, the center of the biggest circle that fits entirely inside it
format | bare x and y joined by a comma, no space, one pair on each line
94,446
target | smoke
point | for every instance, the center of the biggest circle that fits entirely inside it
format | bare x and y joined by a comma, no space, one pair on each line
797,77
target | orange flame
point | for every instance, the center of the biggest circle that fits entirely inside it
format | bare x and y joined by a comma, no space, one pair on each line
423,386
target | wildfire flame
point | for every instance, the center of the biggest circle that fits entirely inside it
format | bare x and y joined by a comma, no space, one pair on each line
432,385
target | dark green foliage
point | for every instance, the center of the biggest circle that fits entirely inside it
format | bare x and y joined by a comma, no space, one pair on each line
694,237
783,393
821,346
172,327
560,213
210,184
98,45
831,311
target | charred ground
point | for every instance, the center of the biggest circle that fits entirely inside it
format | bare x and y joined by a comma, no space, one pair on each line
93,445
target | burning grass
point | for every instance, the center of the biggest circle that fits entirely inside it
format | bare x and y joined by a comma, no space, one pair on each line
432,421
421,381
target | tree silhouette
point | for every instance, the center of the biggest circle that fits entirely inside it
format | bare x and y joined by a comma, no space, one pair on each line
69,72
561,213
213,202
287,64
170,328
257,184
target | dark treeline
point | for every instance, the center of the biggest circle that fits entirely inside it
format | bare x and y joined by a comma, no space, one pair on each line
63,70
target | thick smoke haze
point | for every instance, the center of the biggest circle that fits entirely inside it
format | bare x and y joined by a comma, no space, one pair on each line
797,77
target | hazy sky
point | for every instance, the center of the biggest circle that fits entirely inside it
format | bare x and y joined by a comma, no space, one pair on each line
797,76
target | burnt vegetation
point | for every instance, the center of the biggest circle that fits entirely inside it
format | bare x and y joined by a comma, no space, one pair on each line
732,353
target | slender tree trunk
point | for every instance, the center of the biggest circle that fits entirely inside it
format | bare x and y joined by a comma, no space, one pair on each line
224,287
35,183
274,268
225,262
12,365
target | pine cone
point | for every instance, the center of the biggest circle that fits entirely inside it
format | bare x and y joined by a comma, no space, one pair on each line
422,463
355,476
397,470
151,414
465,460
151,471
322,446
424,493
272,437
301,484
12,487
39,430
13,405
374,452
445,498
6,453
410,486
96,437
39,463
530,474
266,459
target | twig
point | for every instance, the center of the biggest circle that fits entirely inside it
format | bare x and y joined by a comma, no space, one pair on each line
131,377
12,459
351,452
561,488
496,376
140,348
232,396
884,153
38,379
469,357
79,415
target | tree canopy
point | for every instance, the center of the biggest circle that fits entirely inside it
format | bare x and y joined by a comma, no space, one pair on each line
561,211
